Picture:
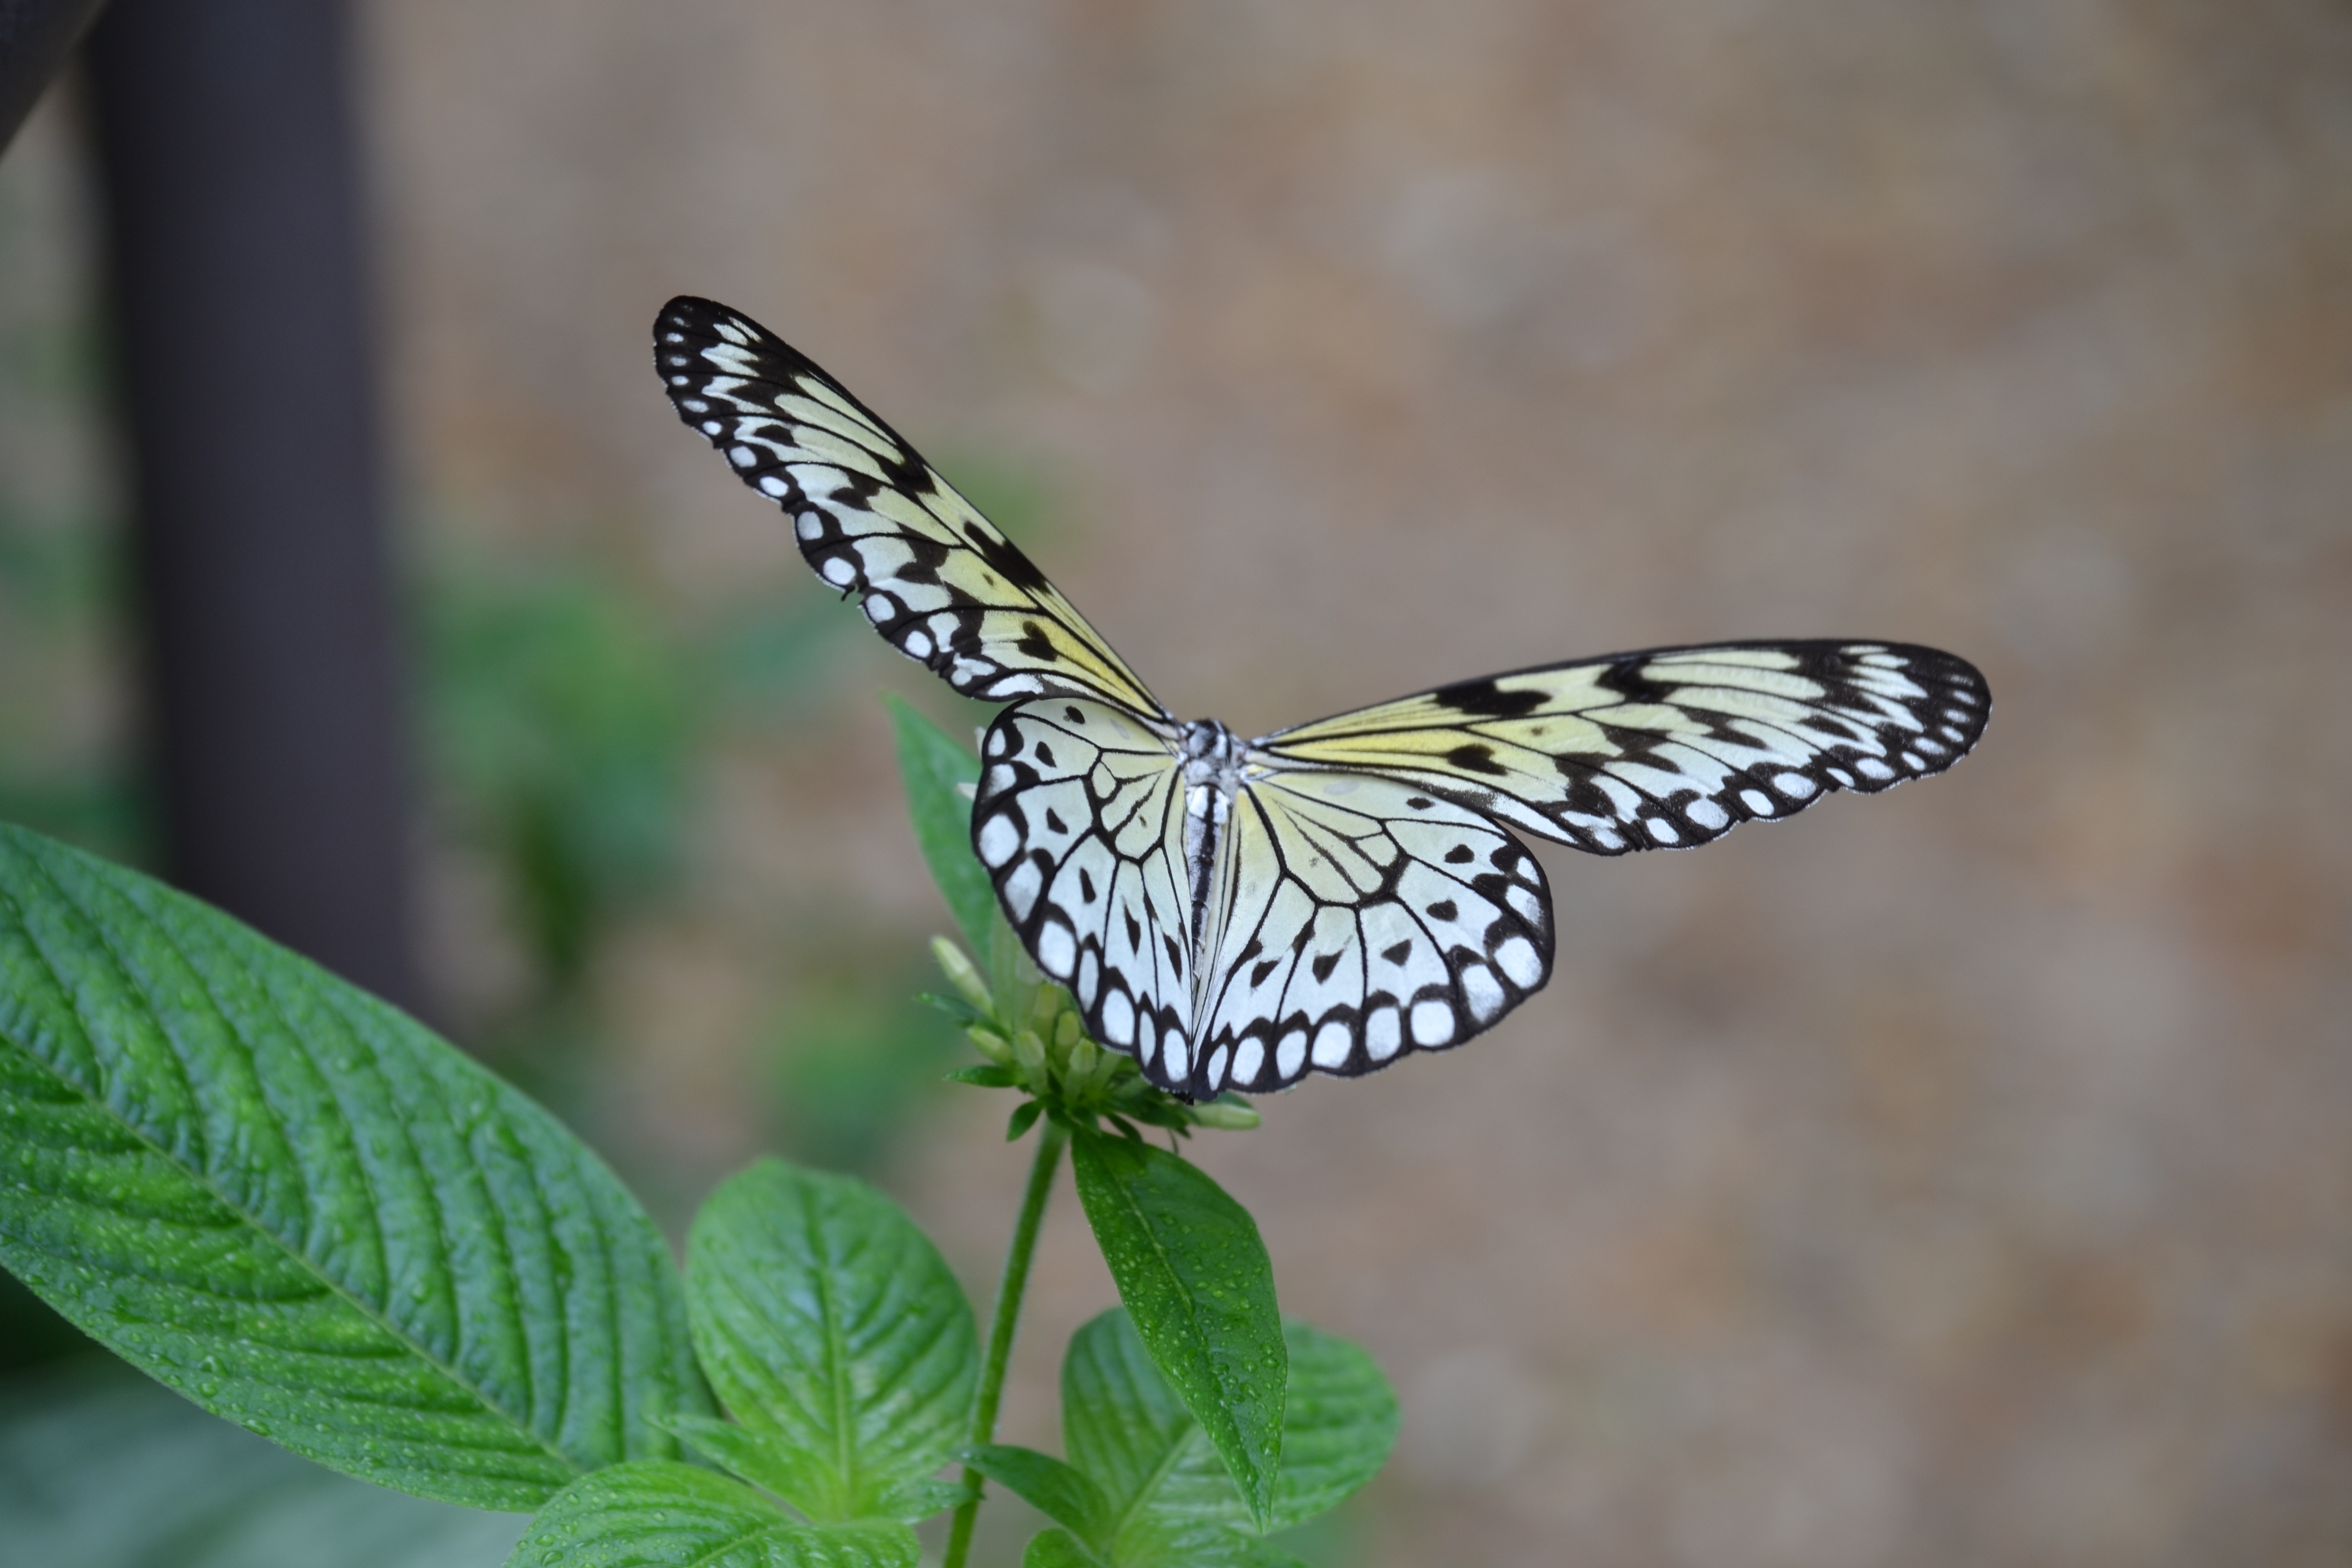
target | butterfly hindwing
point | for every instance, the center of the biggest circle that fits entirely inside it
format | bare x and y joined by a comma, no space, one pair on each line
1357,919
1670,747
1079,818
936,579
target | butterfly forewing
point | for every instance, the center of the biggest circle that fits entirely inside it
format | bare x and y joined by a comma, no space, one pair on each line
934,578
1667,748
1361,917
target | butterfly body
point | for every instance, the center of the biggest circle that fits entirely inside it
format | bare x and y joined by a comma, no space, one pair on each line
1333,895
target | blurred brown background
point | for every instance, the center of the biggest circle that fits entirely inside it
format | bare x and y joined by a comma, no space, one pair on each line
1950,1178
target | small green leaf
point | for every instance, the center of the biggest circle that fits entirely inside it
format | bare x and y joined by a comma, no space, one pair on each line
1024,1116
1058,1548
1061,1493
988,1076
657,1514
1194,1274
932,763
295,1205
825,1318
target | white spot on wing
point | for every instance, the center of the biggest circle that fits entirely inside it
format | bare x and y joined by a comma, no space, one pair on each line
1057,950
1483,992
999,839
1021,888
1518,959
1290,1054
1248,1057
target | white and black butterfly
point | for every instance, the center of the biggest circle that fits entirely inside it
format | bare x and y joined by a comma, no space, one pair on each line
1329,896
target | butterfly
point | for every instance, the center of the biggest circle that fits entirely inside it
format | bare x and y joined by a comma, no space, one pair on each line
1330,897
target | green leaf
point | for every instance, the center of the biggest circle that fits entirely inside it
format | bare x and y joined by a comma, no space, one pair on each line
762,1458
656,1514
294,1205
1024,1116
932,763
1058,1548
104,1468
825,1319
987,1076
1339,1423
1194,1274
1060,1492
1171,1499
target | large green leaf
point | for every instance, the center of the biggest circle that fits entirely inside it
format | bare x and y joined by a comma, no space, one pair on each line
1170,1498
833,1329
102,1468
656,1514
933,765
1339,1423
297,1207
1194,1274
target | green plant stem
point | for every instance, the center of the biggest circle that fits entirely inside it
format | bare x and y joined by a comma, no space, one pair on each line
1052,1135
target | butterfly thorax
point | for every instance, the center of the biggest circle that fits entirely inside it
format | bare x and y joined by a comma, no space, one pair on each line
1212,756
1212,777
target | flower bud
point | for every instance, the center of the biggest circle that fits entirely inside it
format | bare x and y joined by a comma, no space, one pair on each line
963,974
1230,1112
992,1044
1029,1052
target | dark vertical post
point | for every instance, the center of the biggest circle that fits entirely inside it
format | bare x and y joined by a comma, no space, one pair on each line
33,38
231,174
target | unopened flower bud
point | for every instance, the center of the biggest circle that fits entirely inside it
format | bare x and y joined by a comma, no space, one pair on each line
1029,1051
963,974
992,1044
1229,1112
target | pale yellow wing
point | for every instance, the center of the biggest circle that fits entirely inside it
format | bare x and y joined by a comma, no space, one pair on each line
936,579
1665,748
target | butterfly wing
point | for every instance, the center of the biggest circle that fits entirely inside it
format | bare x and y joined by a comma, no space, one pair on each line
1079,818
1355,919
934,577
1665,748
1346,919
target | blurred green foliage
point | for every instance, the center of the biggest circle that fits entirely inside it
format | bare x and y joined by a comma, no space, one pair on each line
562,717
850,1057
